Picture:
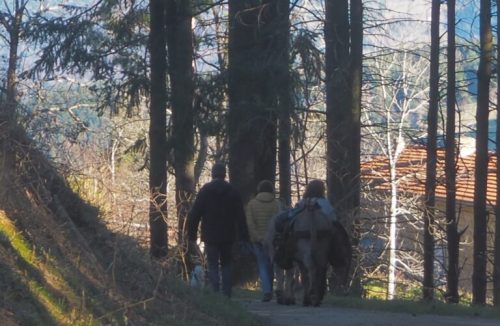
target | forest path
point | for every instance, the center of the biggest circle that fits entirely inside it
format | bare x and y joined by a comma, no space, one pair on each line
278,315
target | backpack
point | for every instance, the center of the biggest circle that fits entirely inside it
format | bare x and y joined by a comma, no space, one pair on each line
283,245
284,240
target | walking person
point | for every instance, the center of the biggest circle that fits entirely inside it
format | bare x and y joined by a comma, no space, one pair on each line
315,192
259,212
219,208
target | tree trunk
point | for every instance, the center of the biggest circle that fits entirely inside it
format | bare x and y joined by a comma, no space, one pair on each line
496,263
481,164
180,67
8,110
243,97
356,69
450,166
11,91
393,222
430,182
338,104
158,132
282,45
252,115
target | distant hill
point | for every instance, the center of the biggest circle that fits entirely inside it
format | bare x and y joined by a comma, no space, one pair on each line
467,137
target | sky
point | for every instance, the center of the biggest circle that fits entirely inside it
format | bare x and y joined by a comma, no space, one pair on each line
416,28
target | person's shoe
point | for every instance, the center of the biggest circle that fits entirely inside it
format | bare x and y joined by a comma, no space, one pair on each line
267,297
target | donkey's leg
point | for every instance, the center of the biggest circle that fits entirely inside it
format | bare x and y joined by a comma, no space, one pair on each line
288,295
279,275
306,276
321,285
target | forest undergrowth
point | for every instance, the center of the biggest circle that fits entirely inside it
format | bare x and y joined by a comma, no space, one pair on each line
60,265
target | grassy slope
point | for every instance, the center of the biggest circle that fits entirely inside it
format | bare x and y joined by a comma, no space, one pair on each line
60,266
40,285
48,277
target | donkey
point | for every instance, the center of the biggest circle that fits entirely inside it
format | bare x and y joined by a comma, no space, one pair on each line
308,240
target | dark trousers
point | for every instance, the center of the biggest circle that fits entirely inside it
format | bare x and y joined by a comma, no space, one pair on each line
219,254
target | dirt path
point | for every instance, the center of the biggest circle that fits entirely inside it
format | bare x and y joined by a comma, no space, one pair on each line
278,315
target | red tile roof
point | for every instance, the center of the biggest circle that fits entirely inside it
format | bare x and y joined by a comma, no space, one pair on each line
411,174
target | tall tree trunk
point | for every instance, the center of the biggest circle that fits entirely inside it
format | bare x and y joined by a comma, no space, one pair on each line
8,110
252,97
338,104
158,132
252,115
356,69
356,72
243,99
430,182
450,165
284,105
481,164
180,57
393,223
14,35
268,78
496,263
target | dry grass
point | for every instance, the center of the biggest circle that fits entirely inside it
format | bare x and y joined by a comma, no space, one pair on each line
59,264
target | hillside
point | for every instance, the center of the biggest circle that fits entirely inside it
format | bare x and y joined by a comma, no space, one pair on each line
59,265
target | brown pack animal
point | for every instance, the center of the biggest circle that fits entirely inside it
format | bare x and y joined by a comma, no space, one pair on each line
308,239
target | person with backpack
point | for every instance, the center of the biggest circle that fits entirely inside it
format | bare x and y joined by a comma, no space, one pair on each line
220,210
315,192
259,212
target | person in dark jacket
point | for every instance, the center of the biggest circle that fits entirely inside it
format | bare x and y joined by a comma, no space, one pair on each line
219,207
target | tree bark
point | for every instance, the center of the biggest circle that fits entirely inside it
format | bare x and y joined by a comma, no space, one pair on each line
14,35
252,114
356,70
450,166
338,104
158,132
393,223
8,110
430,182
481,163
242,97
284,106
180,67
496,259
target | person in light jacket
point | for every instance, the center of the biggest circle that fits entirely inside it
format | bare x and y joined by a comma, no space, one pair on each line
259,212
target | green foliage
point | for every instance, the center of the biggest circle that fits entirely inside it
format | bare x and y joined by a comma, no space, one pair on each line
105,42
210,96
307,56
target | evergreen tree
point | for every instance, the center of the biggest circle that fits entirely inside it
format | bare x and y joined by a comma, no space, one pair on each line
157,131
450,165
253,75
338,104
180,57
496,261
481,163
430,181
